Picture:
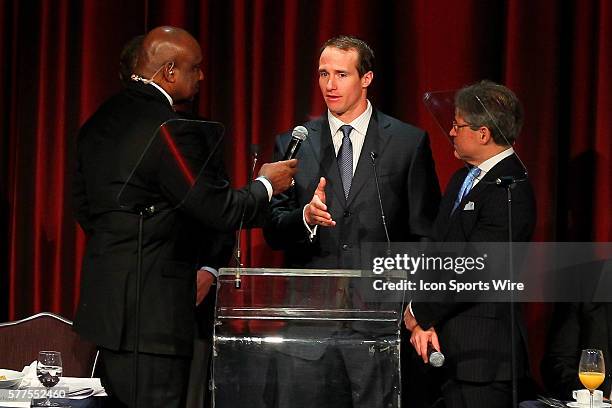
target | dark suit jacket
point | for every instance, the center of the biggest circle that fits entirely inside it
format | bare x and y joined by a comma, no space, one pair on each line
475,337
408,185
574,327
109,146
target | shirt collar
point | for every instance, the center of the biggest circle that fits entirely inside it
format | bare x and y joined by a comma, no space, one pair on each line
360,123
491,162
163,92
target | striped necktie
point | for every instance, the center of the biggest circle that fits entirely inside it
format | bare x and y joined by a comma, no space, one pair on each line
345,159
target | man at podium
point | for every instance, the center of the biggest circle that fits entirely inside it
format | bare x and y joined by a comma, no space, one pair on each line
334,208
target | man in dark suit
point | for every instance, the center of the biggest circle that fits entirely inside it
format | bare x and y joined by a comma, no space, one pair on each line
219,247
110,145
475,337
334,208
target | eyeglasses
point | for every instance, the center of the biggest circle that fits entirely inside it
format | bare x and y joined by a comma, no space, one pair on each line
457,126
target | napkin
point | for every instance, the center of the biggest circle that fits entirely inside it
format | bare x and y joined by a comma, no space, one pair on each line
81,387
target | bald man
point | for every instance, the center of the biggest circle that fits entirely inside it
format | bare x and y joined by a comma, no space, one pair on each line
109,144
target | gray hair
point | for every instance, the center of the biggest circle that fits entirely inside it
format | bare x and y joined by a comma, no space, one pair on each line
494,106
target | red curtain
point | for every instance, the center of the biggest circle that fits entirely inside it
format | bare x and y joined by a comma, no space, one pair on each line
60,61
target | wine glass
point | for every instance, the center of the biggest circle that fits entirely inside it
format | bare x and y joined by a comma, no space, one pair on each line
591,370
49,371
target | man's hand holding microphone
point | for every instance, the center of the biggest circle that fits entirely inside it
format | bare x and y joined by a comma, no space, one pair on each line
279,174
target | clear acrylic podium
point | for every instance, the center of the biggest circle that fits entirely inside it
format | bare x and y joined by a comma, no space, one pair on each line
302,338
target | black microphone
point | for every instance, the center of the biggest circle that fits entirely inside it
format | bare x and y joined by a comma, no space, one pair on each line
373,156
299,134
436,358
238,253
505,181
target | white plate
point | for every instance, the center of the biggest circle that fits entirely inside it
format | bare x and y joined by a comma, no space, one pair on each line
13,378
574,404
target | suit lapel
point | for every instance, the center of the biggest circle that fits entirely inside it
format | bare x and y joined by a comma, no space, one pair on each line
322,148
376,140
504,167
443,221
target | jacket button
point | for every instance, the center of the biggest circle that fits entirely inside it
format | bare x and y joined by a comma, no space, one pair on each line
347,213
345,247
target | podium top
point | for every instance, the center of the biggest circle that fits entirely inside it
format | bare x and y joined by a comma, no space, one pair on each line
345,273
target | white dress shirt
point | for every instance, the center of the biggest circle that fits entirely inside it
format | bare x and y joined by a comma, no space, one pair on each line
488,164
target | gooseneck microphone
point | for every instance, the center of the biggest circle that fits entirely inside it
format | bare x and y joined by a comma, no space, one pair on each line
238,253
505,181
436,358
299,134
373,156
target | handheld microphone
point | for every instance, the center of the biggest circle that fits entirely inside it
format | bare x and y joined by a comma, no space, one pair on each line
238,254
373,156
436,358
299,134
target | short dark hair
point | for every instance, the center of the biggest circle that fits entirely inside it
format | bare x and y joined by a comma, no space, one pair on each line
129,58
365,55
494,106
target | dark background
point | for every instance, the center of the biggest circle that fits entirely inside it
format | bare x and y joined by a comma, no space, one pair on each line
59,61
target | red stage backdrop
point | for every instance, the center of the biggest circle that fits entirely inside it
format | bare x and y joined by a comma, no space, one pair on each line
60,61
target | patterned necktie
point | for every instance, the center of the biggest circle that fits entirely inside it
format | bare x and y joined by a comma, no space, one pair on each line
345,159
466,186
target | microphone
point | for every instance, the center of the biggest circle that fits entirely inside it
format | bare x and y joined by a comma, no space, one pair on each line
505,181
373,156
299,134
238,253
436,358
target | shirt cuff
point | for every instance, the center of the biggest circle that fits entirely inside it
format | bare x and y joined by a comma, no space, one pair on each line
410,309
268,185
210,270
312,232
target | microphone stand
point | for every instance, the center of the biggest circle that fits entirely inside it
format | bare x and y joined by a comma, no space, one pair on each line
238,253
373,156
143,212
508,183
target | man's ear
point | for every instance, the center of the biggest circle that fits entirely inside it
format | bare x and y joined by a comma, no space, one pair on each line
168,72
366,79
484,135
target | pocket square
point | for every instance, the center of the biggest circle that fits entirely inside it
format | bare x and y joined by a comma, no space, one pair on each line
469,206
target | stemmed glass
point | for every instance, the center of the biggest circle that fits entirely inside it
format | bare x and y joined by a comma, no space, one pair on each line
591,370
49,371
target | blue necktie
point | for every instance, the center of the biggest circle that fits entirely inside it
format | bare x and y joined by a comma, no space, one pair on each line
345,159
466,186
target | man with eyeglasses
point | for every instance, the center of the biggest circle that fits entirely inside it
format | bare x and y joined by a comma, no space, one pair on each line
110,145
475,337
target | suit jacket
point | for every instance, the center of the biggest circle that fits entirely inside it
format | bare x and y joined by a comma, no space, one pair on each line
408,185
574,327
475,337
109,146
